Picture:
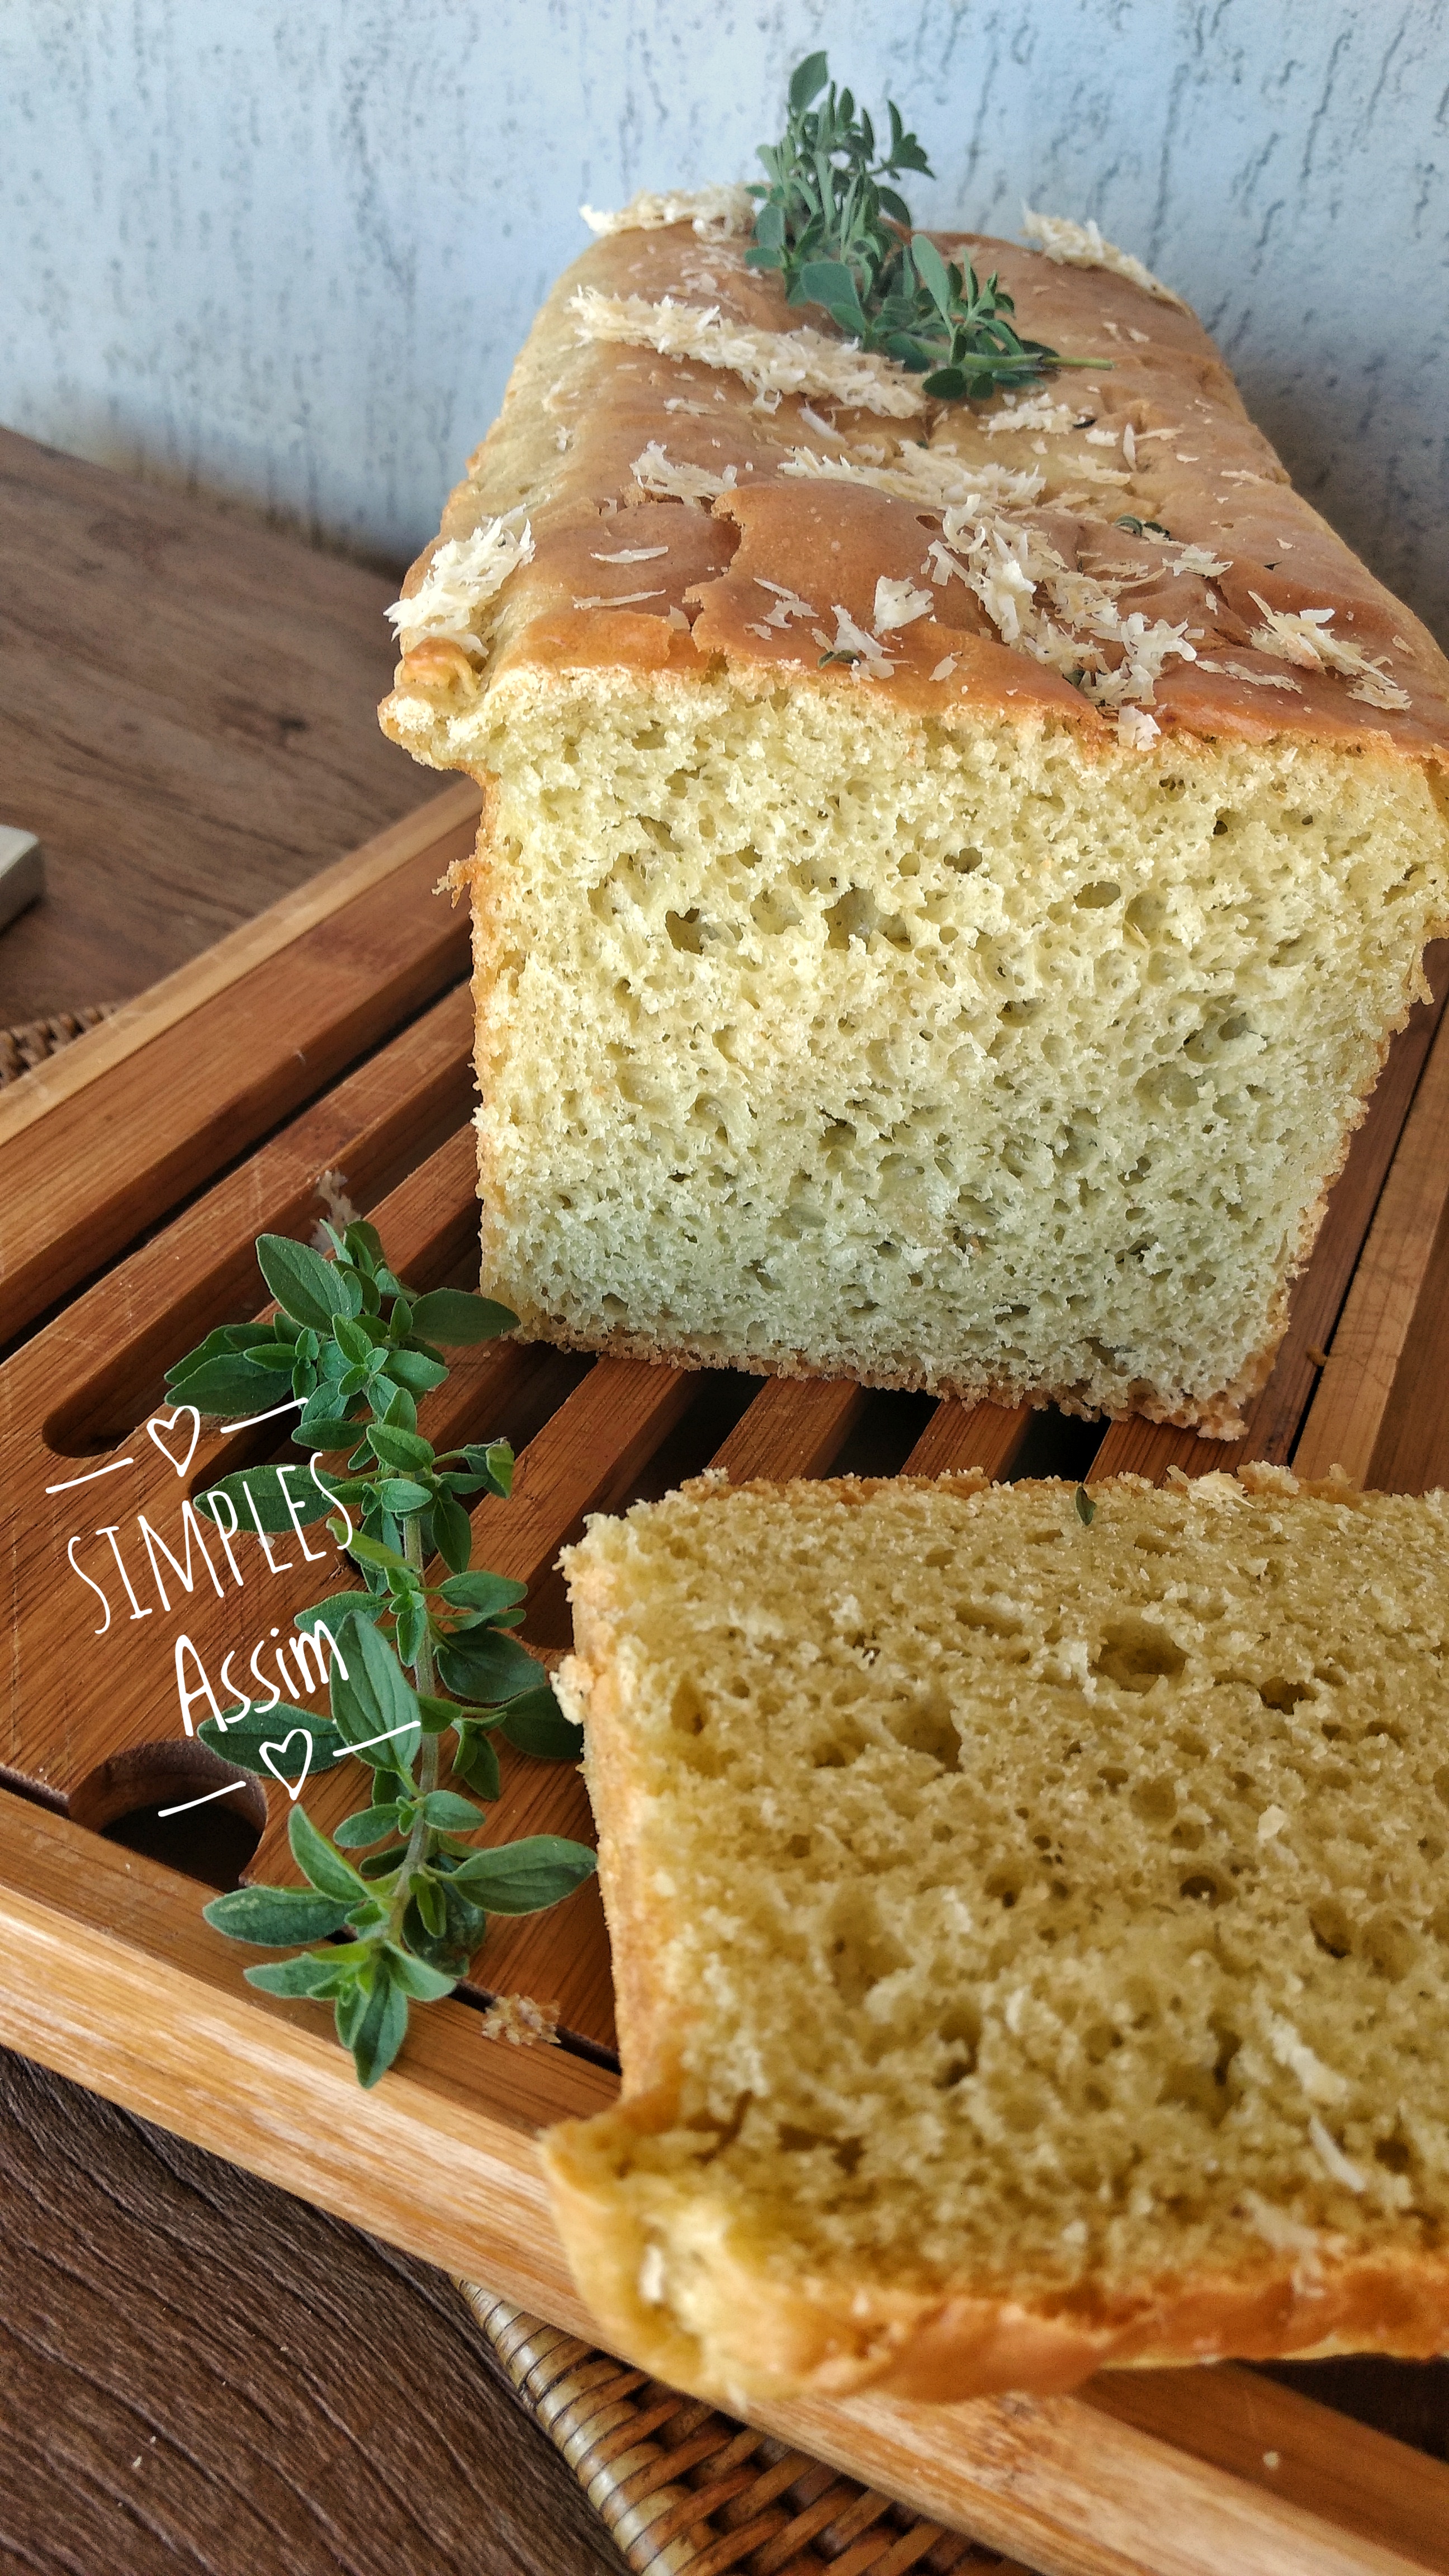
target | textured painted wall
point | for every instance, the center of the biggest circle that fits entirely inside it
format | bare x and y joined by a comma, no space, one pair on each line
287,248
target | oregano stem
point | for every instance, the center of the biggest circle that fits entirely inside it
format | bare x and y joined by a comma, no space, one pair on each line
420,1839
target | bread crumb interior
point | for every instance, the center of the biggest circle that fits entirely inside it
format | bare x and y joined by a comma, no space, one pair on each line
1034,1904
955,1056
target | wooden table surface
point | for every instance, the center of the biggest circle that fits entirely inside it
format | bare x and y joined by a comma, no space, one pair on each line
196,2371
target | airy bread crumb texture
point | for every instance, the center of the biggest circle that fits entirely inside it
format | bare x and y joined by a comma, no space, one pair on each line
1032,1937
813,1037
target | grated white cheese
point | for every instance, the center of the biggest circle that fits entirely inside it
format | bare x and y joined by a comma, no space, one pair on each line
464,576
1286,2235
1321,2083
713,212
850,638
1073,245
1136,729
788,604
667,478
945,667
1255,679
1332,2158
625,599
1037,412
771,362
1301,636
898,603
1006,566
927,475
631,554
826,428
1200,559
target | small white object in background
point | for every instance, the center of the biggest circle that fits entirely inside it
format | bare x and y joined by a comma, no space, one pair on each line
22,871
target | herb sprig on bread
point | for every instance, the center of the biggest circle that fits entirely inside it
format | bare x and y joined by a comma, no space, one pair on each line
412,1659
842,240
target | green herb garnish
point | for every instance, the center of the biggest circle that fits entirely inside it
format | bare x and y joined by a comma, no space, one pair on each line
843,241
356,1348
1086,1508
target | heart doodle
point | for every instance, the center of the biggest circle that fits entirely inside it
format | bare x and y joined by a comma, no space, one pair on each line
292,1787
160,1422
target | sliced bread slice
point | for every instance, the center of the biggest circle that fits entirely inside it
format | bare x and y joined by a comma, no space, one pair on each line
1030,1926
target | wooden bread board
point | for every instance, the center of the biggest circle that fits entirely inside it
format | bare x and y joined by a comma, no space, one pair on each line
332,1036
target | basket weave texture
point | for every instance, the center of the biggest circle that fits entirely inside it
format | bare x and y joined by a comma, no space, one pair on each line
22,1049
681,2487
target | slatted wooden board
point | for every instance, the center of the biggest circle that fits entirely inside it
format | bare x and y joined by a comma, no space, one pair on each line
331,1036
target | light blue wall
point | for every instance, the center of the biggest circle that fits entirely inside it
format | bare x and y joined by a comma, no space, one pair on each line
287,248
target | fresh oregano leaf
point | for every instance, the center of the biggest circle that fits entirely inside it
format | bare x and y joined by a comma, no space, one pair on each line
485,1593
241,1742
312,1974
486,1666
304,1285
451,1316
415,1371
537,1725
381,2028
394,1447
317,1861
452,1532
524,1877
275,1917
476,1762
451,1815
262,1488
369,1826
426,1985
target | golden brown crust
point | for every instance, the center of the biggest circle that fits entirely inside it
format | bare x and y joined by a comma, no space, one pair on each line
839,2335
838,2338
579,414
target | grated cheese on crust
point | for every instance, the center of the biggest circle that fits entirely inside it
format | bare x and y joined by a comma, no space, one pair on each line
1038,412
898,603
714,213
461,580
667,478
932,476
1301,636
1074,245
1255,679
771,362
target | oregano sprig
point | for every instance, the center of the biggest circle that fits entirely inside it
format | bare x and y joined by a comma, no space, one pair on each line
410,1660
842,240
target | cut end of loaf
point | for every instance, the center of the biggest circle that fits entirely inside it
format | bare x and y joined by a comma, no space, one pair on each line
1030,1934
969,1055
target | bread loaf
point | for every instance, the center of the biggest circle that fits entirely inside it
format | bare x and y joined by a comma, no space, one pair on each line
949,872
1031,1936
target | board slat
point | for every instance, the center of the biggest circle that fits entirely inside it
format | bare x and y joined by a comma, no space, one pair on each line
182,1080
1357,1386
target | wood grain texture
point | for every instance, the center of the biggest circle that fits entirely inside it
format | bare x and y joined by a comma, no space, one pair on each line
205,2377
1357,1387
185,698
176,1095
113,1975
